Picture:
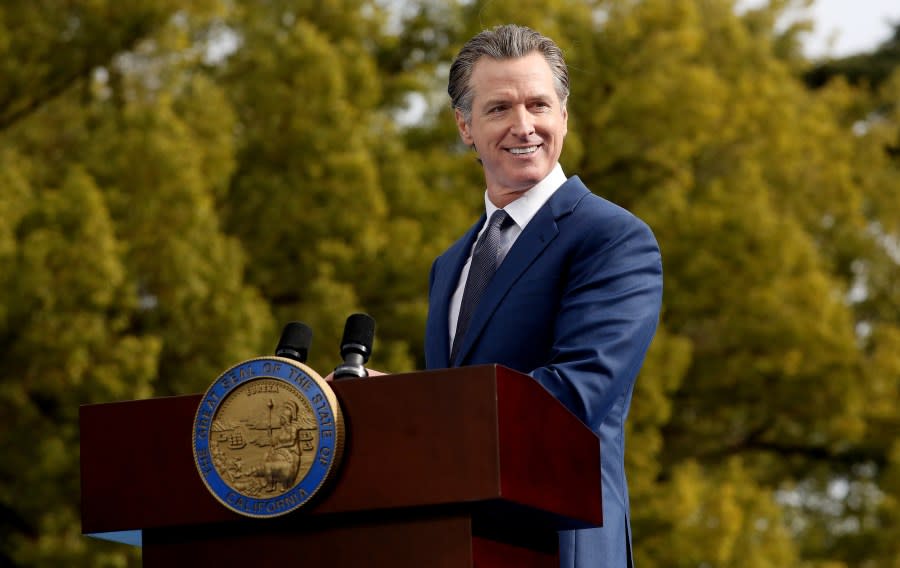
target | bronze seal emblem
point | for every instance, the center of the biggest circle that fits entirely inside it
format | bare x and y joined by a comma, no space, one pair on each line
268,434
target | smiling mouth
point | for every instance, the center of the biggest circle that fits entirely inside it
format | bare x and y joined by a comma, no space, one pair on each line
525,150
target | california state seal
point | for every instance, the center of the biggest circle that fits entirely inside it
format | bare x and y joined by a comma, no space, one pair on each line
268,434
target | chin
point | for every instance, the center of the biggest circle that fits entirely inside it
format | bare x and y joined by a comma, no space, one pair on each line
527,180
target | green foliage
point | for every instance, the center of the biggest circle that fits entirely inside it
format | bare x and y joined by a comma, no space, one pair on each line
714,518
178,180
67,342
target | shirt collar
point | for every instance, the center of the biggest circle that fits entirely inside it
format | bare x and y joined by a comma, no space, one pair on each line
525,207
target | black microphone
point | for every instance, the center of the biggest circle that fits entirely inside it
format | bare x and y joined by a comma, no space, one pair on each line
296,337
356,346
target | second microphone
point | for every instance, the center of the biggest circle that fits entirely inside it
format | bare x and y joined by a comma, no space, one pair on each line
356,347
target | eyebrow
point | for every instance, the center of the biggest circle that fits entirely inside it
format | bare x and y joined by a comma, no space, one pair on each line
505,100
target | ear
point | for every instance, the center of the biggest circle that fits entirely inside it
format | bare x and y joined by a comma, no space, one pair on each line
463,127
565,118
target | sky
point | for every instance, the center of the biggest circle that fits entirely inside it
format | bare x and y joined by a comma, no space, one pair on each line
844,27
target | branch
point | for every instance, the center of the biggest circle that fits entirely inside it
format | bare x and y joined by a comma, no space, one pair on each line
9,115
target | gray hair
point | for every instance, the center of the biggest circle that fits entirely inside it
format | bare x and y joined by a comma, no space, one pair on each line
503,42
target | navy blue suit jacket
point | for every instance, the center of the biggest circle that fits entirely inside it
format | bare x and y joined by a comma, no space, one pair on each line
575,304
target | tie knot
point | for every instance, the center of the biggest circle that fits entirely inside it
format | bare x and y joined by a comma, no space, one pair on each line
491,237
499,220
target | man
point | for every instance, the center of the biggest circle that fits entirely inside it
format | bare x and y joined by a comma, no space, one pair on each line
575,298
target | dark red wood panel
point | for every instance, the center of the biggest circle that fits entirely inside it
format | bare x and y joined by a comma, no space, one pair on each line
549,459
443,542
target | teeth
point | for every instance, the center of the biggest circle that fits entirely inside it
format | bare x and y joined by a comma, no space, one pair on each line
527,150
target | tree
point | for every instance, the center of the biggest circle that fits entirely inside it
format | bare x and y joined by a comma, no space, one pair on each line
326,197
118,273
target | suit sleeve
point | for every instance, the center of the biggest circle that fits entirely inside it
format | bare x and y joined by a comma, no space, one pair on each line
608,314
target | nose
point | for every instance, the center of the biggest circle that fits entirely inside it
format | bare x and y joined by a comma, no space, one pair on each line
522,122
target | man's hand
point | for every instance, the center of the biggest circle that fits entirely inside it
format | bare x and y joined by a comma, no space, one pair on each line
372,373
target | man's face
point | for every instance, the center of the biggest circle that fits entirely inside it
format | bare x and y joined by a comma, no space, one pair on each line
517,126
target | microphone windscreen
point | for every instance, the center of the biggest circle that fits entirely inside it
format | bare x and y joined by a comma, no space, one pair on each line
359,330
296,337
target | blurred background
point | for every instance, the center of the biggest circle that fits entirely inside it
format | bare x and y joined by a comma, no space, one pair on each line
179,179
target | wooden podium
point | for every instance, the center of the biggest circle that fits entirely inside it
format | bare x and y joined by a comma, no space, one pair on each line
466,467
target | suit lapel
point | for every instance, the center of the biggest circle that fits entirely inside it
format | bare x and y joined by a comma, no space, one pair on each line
538,234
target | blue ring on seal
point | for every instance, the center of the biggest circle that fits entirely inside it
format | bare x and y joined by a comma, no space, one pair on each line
261,368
